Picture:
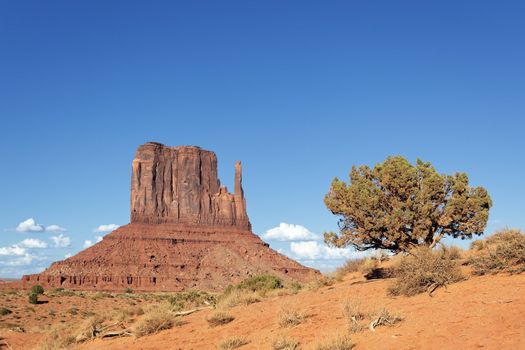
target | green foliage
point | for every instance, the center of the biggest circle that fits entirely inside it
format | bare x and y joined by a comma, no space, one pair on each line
259,283
396,206
33,298
503,251
37,289
128,290
424,270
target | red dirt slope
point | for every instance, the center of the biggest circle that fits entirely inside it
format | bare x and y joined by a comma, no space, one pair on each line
483,312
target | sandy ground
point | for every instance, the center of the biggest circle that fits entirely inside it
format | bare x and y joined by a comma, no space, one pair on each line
483,312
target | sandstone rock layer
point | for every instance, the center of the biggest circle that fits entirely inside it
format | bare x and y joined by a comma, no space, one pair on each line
186,231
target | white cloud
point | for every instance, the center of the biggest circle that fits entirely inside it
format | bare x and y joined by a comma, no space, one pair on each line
55,228
13,250
29,225
68,255
61,241
106,228
32,243
26,259
314,250
89,242
289,232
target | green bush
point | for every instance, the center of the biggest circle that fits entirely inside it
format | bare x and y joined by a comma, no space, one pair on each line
504,251
261,283
128,290
37,289
33,298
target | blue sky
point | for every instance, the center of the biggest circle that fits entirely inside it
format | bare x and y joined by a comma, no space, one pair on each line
298,90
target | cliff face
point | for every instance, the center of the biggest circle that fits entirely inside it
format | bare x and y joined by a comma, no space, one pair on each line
180,185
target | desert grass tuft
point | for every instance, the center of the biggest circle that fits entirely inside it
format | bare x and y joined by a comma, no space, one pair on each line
338,342
238,297
384,317
89,329
284,343
319,282
154,321
232,343
219,318
59,337
127,314
350,266
354,315
290,316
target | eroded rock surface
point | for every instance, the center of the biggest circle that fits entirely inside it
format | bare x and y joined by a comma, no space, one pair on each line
180,185
186,231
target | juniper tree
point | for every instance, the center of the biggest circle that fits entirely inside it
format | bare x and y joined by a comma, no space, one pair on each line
397,205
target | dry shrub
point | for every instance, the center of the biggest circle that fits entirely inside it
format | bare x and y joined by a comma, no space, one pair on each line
127,314
385,318
356,327
351,265
191,299
319,282
154,321
219,318
478,244
352,310
451,252
368,266
238,297
424,270
89,329
504,251
59,337
354,315
289,317
284,343
232,343
339,342
100,295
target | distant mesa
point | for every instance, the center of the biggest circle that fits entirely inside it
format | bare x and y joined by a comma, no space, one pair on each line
186,231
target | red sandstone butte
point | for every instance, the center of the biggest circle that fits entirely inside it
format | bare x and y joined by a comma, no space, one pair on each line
186,231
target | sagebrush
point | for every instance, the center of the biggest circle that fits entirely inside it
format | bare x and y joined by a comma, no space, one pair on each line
504,251
424,270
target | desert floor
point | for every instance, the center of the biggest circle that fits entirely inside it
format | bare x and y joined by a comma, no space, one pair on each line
482,312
